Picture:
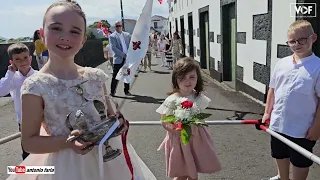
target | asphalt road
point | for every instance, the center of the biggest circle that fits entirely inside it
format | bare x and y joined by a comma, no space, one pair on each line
243,151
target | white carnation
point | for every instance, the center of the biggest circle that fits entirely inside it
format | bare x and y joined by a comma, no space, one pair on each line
195,109
182,114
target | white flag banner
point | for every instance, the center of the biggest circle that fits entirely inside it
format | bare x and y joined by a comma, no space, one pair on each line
138,46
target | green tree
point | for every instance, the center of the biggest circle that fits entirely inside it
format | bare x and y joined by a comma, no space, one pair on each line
90,35
103,22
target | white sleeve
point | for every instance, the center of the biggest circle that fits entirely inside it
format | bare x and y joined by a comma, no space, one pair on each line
203,101
167,106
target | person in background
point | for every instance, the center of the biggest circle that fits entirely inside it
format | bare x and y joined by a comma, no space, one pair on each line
147,58
108,54
18,70
162,48
41,51
176,47
168,54
119,41
155,45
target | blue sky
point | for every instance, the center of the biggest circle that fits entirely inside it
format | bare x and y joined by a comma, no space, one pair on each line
20,18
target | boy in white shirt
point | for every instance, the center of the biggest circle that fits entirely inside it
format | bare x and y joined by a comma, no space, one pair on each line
18,70
293,102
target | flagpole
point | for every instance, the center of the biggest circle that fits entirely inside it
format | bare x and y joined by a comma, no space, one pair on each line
122,15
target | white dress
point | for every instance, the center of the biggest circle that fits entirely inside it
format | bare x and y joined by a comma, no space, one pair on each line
60,98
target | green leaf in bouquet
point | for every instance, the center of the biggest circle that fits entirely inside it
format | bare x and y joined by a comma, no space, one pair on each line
185,134
201,116
170,119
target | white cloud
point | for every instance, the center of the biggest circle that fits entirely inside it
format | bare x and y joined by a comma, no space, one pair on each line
18,21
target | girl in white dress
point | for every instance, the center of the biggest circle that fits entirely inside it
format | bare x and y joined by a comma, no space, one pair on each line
51,95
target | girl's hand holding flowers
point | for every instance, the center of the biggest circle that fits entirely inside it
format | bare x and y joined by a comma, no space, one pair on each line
185,114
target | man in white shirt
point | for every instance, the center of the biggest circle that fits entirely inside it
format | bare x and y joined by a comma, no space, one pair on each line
119,41
18,70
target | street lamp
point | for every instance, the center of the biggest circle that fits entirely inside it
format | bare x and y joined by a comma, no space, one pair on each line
122,15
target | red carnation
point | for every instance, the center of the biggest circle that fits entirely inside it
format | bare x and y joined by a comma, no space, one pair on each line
178,126
187,104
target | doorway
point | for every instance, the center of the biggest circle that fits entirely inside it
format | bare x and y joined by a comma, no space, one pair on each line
176,20
170,31
315,21
204,37
229,44
190,30
183,43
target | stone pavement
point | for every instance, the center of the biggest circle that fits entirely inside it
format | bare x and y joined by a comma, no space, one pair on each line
243,150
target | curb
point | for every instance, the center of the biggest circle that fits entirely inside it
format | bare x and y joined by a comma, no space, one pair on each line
227,88
222,85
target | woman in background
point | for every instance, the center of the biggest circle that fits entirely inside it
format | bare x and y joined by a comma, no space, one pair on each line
41,51
155,45
176,47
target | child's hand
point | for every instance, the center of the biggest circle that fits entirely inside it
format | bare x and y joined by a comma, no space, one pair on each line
170,127
313,133
265,118
12,67
78,145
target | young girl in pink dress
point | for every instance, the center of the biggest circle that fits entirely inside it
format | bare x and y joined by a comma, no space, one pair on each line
62,87
186,161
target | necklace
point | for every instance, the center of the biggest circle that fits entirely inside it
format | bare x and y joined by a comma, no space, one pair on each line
78,87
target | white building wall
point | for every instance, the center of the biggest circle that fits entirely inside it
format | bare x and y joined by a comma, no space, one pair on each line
281,20
183,7
161,23
253,50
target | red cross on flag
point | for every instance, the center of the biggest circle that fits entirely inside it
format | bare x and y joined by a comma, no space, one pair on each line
139,44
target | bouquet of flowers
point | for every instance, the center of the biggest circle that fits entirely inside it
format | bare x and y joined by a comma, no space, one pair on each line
185,113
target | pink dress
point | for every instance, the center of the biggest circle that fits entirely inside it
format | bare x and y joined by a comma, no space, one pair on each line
196,157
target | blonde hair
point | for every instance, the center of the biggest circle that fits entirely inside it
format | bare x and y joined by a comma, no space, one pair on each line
300,24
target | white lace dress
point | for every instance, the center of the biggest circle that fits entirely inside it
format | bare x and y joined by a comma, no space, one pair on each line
60,98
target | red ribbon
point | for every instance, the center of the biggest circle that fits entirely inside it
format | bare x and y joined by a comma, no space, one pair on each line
125,149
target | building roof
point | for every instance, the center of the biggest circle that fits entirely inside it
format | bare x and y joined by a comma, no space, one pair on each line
131,20
158,17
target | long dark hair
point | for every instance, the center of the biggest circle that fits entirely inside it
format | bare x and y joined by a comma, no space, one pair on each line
183,67
176,33
36,35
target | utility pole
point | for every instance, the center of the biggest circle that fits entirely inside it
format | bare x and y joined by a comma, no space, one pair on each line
122,15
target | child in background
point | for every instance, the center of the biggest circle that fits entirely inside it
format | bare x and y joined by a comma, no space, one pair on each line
168,54
18,70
